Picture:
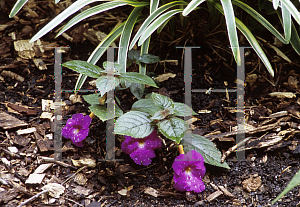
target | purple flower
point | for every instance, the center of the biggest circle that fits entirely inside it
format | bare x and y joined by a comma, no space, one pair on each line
141,149
189,170
77,129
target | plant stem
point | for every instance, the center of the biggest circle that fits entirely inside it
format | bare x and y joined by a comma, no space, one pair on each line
180,149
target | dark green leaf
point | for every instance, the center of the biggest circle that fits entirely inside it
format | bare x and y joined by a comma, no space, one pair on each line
136,90
135,124
147,58
133,55
205,147
84,67
173,128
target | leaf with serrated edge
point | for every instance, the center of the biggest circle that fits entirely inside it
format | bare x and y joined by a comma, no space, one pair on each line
137,78
183,110
162,101
173,128
205,147
84,67
92,98
145,105
103,85
135,124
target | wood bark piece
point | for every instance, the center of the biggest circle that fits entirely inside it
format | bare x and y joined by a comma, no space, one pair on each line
22,109
35,179
12,75
26,131
214,195
8,122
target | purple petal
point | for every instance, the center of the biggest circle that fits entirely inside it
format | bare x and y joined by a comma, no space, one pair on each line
86,121
67,132
153,141
129,145
179,164
77,117
188,183
80,136
142,156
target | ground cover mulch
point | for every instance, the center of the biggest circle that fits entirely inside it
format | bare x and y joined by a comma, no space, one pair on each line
26,123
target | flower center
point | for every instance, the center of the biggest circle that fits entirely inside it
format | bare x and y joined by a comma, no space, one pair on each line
187,169
141,143
76,129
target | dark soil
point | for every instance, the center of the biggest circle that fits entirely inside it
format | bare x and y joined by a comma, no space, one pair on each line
212,65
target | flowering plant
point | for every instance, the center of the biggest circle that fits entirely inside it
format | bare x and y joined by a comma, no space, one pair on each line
149,117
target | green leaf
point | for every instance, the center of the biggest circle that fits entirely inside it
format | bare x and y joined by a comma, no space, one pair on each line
151,17
76,6
154,25
295,40
133,55
275,4
137,90
251,39
287,22
293,183
191,6
84,67
231,28
147,58
125,38
137,78
162,101
104,84
253,42
264,22
135,124
183,110
99,51
18,5
205,147
136,3
145,105
101,112
92,98
173,128
91,12
292,9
